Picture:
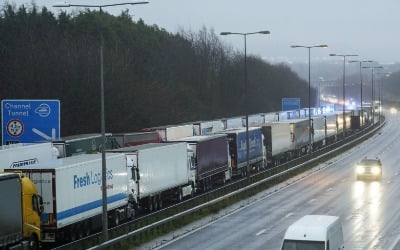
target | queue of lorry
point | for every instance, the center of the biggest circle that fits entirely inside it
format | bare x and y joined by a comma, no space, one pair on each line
55,187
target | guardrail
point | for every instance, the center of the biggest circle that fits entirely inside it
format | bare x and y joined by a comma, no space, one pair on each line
241,188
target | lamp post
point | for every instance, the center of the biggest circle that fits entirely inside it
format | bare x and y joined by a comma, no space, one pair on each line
387,74
263,32
102,118
344,91
361,88
372,89
309,88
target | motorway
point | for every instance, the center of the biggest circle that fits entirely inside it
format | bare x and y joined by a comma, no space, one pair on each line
369,210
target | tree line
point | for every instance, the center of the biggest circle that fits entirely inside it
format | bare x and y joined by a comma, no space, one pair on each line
152,77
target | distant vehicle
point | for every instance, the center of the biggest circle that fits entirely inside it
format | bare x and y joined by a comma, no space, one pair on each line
316,232
393,110
369,168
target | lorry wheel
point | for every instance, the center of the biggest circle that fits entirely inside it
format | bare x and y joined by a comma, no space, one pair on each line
73,234
180,196
33,242
155,203
150,205
86,228
133,214
116,218
160,203
81,231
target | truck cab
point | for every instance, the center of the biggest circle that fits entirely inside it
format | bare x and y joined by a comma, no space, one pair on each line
32,205
317,232
20,224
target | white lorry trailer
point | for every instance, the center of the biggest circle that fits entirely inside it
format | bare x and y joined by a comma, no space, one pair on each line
161,172
285,139
234,122
72,195
171,132
207,127
319,132
15,156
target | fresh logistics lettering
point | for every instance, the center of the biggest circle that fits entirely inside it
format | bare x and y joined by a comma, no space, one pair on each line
90,179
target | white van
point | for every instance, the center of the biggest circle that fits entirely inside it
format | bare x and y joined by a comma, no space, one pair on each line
314,232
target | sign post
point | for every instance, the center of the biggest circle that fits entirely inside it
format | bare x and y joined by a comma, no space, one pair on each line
30,121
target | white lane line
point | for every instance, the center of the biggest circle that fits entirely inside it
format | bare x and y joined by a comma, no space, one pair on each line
311,201
288,215
349,217
261,232
329,189
395,243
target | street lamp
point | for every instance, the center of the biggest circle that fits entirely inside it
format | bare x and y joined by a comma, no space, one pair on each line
372,89
263,32
309,87
344,93
103,133
387,74
361,89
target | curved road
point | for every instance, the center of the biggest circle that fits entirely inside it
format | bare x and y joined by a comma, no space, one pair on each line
369,210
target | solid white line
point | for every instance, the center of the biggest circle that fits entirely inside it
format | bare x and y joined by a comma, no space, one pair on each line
261,232
311,201
395,243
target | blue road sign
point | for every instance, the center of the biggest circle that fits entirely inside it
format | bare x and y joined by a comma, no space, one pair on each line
28,121
290,104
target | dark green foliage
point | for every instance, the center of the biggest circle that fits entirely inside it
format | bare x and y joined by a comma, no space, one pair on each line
152,77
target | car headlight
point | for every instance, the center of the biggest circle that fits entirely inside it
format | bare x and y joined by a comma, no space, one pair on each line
376,170
360,170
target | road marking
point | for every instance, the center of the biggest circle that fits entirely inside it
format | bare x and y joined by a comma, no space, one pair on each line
311,201
329,189
288,215
349,217
261,232
395,243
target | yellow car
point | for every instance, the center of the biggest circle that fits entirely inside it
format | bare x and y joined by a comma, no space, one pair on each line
369,169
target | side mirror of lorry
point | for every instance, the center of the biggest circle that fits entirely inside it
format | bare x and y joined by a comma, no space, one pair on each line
41,207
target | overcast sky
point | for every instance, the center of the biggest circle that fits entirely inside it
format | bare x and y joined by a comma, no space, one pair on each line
369,28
